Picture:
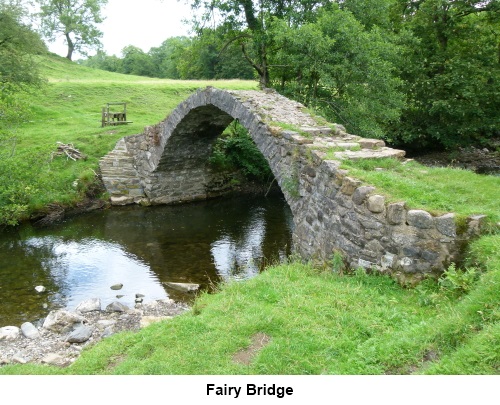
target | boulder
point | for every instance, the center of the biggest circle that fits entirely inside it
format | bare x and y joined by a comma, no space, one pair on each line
19,358
29,330
55,360
93,304
9,333
116,307
61,321
118,286
80,334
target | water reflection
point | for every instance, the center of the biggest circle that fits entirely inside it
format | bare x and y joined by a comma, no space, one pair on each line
81,258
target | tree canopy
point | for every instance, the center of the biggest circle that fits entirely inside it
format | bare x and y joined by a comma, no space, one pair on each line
75,20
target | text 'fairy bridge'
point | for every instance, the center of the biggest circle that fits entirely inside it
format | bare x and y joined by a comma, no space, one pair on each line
168,163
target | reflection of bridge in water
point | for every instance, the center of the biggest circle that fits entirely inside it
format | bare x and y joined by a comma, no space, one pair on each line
333,212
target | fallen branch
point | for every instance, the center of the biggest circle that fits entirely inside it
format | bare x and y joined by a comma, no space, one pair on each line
69,151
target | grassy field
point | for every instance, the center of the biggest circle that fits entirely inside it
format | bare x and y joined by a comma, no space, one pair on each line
309,320
437,189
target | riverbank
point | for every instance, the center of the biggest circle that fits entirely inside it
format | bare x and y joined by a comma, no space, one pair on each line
298,319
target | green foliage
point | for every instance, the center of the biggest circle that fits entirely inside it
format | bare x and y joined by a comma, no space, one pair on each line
74,20
236,150
14,203
337,263
136,62
18,44
19,77
452,74
344,71
167,58
211,56
456,280
205,56
290,184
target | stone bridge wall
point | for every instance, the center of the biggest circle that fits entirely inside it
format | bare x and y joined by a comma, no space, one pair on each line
332,211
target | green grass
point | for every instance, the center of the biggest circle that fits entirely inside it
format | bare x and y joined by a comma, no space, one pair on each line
438,190
68,110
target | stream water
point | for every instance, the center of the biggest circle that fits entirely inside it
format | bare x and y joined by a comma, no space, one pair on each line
141,248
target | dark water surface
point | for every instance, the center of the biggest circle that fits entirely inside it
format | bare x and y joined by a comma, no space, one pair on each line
142,248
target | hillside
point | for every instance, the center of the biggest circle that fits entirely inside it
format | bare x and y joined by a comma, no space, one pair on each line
68,110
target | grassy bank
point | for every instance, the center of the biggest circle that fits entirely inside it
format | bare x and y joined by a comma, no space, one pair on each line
436,189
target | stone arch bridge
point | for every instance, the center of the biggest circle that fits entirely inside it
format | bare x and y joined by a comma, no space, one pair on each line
333,212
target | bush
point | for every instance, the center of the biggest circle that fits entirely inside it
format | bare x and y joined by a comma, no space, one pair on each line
235,150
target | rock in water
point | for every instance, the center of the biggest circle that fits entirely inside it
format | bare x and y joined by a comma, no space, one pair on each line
29,330
40,289
118,286
184,287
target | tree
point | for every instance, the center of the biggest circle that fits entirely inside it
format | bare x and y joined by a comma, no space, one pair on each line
104,62
211,56
338,67
75,20
248,20
137,62
166,57
452,77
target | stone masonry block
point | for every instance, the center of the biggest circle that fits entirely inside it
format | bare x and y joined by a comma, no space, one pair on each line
396,213
445,224
376,203
360,194
349,185
420,219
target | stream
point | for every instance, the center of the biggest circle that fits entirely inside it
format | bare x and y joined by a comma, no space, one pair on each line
142,248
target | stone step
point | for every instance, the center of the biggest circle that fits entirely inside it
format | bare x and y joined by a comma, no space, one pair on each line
371,154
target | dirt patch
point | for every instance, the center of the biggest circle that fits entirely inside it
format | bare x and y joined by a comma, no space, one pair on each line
245,356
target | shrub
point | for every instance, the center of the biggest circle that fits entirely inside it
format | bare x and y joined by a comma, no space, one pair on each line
236,150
